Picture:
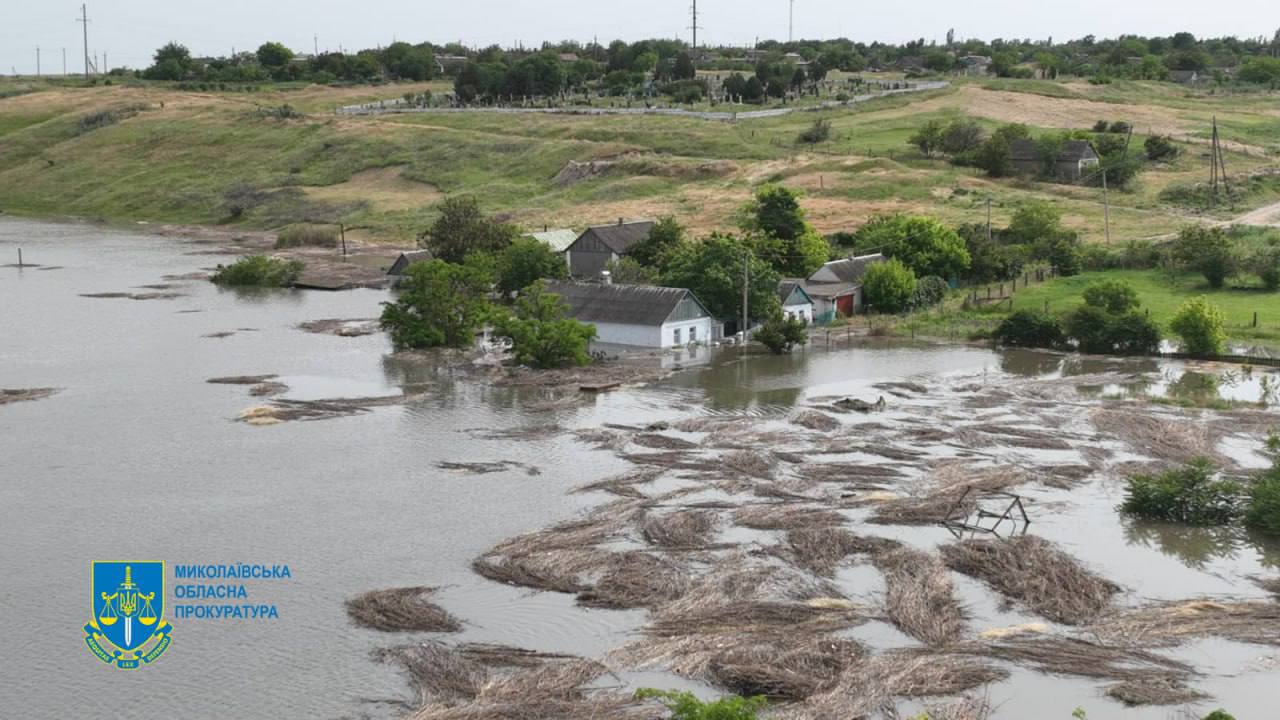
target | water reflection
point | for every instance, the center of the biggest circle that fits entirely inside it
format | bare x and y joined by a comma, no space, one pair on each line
1197,388
1200,547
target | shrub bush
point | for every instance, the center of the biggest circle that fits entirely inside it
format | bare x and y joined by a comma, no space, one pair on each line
887,286
1208,251
258,271
1029,328
819,131
1189,495
1160,148
1112,296
305,234
686,706
930,290
780,334
1263,513
541,333
1200,326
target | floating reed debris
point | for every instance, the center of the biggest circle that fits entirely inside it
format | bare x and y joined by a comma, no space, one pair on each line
678,530
1083,658
401,609
950,480
624,484
455,685
1036,573
13,395
920,599
1174,439
898,673
636,579
484,468
785,667
555,570
662,442
1154,691
966,708
1248,621
494,655
815,420
853,473
751,462
821,549
241,379
785,516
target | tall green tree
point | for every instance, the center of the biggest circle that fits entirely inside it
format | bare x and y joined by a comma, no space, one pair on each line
665,235
783,238
272,55
714,270
462,229
541,333
524,261
440,304
172,62
1208,251
923,244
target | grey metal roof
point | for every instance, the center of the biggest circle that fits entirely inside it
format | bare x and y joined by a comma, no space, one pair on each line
559,239
406,259
829,290
786,287
622,304
851,270
619,237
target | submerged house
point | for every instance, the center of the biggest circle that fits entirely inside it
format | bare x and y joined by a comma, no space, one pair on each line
836,287
599,245
796,303
1074,160
639,315
406,259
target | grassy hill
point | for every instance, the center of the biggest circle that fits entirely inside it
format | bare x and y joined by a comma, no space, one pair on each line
154,153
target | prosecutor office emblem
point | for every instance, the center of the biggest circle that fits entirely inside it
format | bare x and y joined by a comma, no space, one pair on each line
128,628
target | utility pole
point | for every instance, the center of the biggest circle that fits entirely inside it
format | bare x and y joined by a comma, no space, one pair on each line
791,21
1106,207
694,26
64,62
746,279
37,61
988,219
84,20
315,40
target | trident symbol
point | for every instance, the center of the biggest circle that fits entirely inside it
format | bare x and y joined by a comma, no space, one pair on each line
124,602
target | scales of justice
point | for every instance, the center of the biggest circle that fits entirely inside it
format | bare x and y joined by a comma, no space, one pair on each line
123,603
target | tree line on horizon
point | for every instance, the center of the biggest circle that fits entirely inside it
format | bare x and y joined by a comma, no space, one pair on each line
569,65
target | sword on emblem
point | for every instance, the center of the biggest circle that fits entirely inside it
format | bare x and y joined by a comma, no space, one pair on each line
124,603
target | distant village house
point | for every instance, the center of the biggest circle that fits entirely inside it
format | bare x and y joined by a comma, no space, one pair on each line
599,245
796,303
836,287
1074,160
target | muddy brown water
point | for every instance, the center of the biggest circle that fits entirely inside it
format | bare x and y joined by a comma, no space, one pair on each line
137,456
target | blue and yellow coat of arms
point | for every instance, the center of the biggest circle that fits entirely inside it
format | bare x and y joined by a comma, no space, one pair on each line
127,598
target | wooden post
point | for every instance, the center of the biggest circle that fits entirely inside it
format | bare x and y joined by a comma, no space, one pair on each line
19,257
1255,318
342,230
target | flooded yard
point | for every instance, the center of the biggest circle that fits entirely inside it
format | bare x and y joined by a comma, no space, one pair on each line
739,525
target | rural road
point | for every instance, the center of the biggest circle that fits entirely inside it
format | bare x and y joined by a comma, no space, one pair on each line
1268,216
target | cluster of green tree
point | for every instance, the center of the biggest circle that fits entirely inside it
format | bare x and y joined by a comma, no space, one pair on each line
482,273
1197,495
257,271
1219,255
623,66
275,62
1108,323
965,143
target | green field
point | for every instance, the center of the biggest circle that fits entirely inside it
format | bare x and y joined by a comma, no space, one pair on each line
174,160
1160,294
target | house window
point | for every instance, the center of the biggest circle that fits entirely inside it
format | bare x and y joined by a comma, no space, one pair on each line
677,336
693,334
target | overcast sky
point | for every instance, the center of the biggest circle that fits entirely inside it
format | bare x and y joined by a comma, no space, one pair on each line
129,30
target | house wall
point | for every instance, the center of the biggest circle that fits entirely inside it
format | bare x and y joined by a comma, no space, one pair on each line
804,310
620,334
702,325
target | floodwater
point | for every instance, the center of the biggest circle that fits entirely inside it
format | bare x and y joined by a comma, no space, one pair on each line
138,457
